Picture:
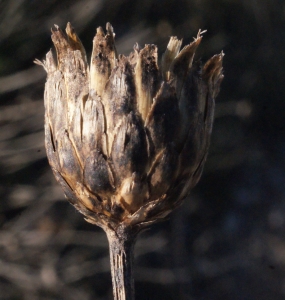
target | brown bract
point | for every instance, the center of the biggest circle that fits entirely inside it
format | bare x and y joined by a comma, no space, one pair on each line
126,138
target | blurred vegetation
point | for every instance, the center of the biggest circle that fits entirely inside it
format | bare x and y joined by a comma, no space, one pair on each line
227,241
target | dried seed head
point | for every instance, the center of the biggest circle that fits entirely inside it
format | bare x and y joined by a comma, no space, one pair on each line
127,140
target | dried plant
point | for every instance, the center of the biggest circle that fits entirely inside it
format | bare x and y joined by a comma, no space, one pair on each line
125,138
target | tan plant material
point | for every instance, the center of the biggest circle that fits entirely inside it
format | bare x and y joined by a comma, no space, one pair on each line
127,137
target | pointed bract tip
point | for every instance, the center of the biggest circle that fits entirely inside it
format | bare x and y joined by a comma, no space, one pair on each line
55,29
100,31
199,34
38,62
69,28
109,28
136,47
41,63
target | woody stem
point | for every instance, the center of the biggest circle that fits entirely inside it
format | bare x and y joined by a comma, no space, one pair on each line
121,245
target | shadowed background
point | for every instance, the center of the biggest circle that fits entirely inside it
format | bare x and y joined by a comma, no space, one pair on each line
227,241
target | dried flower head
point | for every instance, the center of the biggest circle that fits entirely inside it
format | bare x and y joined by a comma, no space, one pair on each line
126,138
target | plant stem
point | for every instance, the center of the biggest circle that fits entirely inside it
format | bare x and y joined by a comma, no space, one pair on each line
121,244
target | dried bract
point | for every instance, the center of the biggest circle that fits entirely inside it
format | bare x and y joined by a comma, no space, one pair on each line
126,138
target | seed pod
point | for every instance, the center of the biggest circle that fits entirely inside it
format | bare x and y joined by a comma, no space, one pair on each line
125,138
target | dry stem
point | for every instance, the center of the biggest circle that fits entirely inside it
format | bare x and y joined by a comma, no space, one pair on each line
121,244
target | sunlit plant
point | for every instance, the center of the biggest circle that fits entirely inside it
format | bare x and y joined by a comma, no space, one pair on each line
127,137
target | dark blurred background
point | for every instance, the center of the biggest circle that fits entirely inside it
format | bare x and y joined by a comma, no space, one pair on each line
227,241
